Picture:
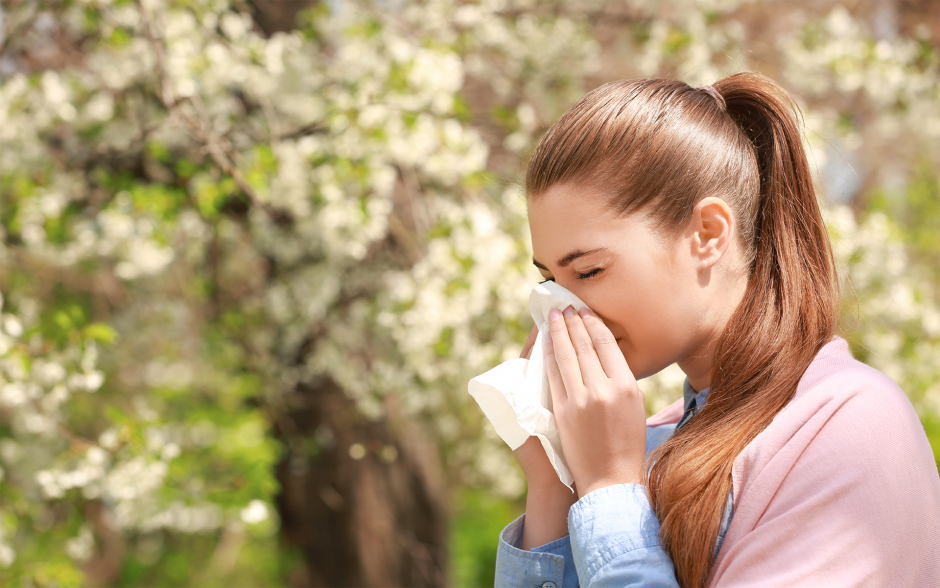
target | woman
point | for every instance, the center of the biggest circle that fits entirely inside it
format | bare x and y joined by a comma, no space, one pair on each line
685,218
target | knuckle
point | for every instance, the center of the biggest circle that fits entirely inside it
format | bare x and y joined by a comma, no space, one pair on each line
583,347
550,370
563,356
604,399
606,338
549,364
632,392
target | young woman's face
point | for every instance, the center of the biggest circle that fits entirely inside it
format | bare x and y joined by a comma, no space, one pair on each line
646,288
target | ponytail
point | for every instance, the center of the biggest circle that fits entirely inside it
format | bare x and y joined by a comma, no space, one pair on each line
787,314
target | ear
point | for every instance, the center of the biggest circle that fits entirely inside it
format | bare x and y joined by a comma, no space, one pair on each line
712,230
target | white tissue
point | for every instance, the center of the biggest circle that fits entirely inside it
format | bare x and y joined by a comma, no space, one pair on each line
515,396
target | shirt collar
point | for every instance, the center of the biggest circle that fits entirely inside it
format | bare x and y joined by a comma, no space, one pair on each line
689,394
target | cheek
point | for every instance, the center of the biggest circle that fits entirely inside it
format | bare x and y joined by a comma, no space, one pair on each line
653,328
659,321
621,303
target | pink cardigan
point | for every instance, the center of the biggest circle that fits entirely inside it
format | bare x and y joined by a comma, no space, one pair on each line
840,490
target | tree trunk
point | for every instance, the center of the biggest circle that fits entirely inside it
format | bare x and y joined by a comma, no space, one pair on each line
363,500
274,16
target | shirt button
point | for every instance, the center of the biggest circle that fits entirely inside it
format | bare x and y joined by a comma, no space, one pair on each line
548,585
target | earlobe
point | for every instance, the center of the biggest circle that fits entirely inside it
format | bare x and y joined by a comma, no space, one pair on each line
713,225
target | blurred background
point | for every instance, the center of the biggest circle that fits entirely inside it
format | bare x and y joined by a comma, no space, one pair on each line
251,252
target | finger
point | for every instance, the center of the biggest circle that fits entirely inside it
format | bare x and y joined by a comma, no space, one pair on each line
555,382
564,354
591,370
611,358
530,342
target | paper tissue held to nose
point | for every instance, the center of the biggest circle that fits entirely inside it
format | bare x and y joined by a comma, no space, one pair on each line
515,396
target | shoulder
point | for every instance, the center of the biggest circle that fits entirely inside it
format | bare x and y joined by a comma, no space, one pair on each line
844,472
846,410
840,399
835,375
851,412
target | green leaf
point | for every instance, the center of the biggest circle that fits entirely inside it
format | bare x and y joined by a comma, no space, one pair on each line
100,332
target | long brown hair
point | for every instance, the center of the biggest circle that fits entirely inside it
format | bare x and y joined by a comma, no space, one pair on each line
661,146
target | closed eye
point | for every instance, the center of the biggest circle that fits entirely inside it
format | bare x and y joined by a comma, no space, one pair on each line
590,274
583,276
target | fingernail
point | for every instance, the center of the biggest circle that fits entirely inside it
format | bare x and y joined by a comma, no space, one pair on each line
553,314
585,312
569,311
548,336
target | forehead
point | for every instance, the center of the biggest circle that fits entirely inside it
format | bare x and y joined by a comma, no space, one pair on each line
568,216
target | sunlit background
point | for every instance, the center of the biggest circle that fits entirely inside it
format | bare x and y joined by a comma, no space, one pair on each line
251,252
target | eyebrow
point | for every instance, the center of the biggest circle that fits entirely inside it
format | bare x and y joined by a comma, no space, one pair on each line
566,260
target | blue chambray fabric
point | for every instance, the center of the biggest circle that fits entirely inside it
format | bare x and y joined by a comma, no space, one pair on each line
613,537
552,562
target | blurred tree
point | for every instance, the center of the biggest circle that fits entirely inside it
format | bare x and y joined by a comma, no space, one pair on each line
251,253
256,212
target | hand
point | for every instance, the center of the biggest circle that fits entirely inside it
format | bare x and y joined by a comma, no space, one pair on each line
599,409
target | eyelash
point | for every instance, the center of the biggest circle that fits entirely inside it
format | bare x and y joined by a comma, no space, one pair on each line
590,274
584,276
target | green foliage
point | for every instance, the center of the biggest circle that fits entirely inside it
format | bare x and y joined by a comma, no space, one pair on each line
917,209
229,558
479,518
932,428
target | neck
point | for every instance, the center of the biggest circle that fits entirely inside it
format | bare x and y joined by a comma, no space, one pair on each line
699,363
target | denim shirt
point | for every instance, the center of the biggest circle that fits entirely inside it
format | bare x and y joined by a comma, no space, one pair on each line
613,537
